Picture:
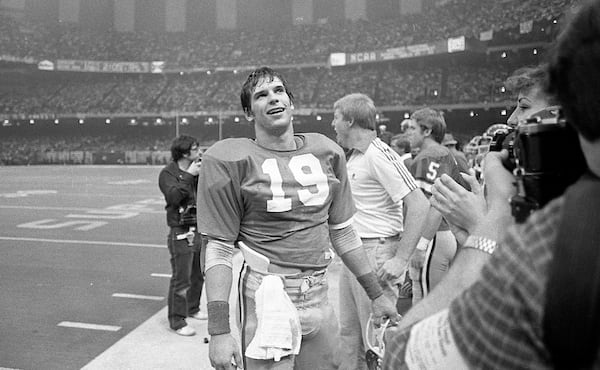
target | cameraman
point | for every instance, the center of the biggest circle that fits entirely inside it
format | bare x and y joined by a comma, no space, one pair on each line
535,304
178,182
464,209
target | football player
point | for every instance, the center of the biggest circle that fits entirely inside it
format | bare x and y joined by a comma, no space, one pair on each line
284,198
437,246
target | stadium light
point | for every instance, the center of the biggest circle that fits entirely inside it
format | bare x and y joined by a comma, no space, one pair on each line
107,121
503,112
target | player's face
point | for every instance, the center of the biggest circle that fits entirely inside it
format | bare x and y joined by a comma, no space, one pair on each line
341,128
528,102
271,105
414,134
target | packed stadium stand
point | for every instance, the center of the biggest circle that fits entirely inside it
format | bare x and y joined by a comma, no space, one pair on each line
198,91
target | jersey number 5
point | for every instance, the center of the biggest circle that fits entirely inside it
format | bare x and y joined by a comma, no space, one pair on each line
307,171
432,172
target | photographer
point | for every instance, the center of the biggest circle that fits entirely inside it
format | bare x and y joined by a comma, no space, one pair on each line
178,182
535,304
465,210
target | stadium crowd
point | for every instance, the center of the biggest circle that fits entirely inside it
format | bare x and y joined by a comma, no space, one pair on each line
390,85
295,45
19,150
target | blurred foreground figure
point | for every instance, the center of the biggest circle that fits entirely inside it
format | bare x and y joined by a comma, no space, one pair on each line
536,304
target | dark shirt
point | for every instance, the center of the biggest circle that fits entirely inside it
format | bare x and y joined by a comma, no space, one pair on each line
498,322
179,189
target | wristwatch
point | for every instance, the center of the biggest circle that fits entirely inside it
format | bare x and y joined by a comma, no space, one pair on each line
483,244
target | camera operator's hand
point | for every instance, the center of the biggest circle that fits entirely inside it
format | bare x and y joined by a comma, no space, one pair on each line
459,206
194,168
499,188
499,182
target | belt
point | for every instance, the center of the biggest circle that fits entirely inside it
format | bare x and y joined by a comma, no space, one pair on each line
302,280
383,238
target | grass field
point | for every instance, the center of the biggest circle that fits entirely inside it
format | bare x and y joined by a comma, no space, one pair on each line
84,270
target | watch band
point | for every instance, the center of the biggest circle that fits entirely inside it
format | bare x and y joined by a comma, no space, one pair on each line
483,244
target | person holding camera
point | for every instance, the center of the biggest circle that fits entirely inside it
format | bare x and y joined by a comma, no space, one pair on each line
178,181
536,301
464,209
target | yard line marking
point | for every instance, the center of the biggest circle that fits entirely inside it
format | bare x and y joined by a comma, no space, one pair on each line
80,209
137,296
83,325
161,275
90,242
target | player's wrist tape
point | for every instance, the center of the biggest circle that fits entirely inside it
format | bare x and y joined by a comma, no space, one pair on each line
423,244
371,285
218,317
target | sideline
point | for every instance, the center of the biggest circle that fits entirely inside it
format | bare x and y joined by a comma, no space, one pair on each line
90,242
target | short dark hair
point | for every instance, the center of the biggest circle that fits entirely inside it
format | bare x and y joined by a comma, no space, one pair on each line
525,78
259,74
181,146
574,71
433,120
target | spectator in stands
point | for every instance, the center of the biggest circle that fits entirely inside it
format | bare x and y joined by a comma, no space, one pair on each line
535,304
178,182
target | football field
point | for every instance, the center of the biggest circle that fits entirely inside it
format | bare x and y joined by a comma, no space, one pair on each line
84,271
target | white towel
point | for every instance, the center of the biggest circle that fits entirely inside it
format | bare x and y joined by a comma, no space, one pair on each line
278,331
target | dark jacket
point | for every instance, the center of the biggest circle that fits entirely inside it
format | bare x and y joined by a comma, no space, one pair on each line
179,189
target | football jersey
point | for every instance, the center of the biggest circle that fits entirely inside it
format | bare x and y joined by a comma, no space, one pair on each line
280,203
431,163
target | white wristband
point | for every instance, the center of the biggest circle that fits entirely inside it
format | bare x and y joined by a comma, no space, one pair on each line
423,244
